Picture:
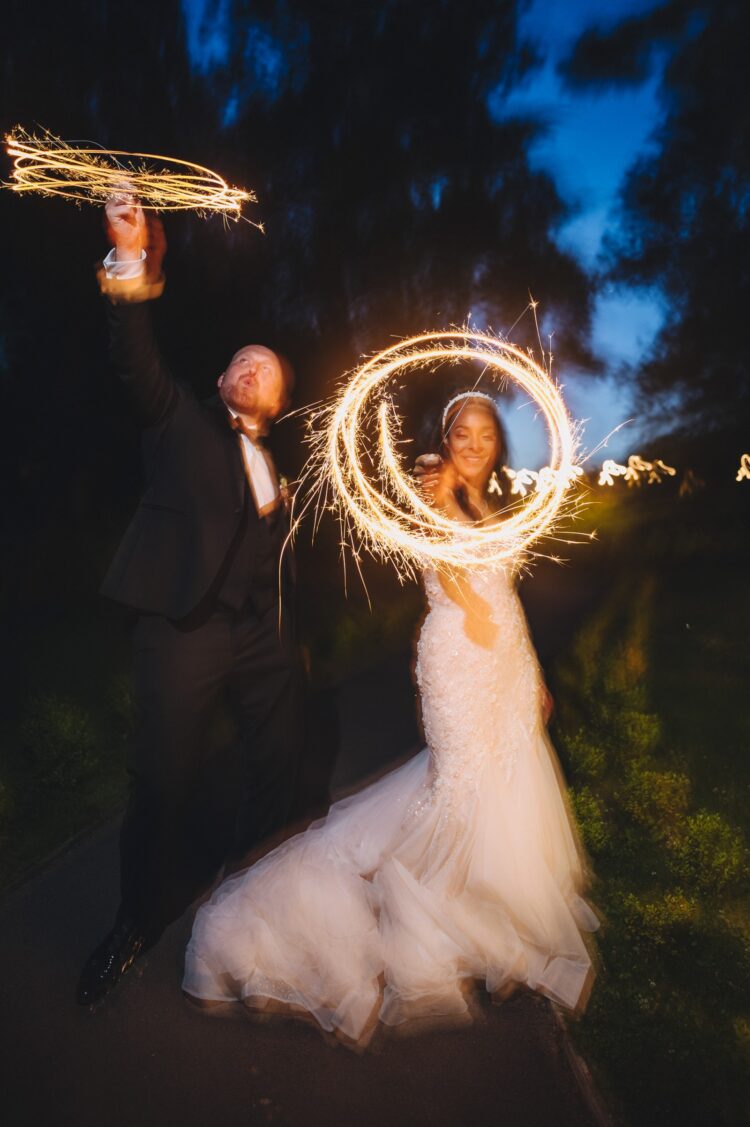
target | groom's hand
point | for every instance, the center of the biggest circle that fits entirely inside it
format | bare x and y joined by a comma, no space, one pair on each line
133,231
126,226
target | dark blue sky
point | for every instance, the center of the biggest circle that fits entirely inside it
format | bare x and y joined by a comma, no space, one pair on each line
590,142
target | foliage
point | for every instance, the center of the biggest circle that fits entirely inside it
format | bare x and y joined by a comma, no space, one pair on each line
121,701
61,740
709,853
684,226
591,815
666,1029
5,806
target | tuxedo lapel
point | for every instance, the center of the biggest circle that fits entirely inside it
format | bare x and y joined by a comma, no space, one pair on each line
231,440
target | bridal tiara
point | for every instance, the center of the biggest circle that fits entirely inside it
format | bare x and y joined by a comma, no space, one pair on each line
466,395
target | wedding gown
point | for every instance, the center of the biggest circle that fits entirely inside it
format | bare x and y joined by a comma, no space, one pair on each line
462,863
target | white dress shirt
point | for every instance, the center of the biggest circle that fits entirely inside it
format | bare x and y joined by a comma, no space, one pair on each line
260,473
125,271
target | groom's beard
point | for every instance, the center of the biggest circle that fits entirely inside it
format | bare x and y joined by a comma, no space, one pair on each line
244,400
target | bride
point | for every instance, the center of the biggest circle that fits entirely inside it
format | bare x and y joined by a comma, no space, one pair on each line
461,864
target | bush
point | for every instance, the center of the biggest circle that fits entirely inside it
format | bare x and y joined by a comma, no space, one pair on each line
709,853
122,703
5,806
657,919
638,733
656,799
586,754
60,739
591,819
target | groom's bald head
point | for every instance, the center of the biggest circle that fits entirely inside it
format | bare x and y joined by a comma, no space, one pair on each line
257,383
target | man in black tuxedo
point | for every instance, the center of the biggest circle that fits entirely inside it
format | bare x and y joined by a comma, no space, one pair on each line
203,566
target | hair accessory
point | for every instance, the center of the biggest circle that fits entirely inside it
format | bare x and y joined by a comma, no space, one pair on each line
465,395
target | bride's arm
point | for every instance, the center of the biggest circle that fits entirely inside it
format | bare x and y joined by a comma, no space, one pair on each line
478,624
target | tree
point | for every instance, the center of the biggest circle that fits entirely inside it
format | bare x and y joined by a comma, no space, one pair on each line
395,201
685,205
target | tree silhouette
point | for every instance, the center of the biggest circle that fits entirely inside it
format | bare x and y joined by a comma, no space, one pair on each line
685,207
394,200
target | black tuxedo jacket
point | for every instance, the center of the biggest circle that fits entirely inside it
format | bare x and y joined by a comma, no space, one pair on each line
196,489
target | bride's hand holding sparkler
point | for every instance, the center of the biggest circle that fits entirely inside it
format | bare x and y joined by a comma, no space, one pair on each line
427,472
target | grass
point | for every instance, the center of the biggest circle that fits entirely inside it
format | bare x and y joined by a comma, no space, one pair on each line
64,738
654,731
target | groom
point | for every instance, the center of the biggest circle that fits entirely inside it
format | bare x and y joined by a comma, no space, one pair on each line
202,565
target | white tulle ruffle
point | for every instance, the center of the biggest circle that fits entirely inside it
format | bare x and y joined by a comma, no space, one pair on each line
387,906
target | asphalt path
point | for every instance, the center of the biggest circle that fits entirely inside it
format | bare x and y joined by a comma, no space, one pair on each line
148,1057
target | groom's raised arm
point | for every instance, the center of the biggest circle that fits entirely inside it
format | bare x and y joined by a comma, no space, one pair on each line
130,277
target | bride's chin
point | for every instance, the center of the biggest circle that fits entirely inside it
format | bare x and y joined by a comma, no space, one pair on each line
475,481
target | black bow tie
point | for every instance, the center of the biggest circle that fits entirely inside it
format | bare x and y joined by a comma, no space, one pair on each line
238,424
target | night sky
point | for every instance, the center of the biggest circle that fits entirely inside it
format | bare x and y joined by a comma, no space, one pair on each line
589,142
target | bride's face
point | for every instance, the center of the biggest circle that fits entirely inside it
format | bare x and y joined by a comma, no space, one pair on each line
472,444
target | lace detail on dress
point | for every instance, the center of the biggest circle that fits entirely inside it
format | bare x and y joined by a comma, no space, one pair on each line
475,702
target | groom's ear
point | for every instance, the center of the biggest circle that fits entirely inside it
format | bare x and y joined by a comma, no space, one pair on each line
220,380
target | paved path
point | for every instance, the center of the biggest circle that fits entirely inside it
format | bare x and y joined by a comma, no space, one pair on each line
148,1057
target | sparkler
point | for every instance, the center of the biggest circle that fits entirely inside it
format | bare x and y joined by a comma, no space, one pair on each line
53,167
355,469
636,470
743,473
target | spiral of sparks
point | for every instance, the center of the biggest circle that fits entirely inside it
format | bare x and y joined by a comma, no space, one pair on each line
356,471
49,166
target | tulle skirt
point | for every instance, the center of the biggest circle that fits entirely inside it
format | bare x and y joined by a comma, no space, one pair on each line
384,909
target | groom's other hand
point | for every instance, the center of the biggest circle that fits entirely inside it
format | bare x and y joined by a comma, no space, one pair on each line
427,471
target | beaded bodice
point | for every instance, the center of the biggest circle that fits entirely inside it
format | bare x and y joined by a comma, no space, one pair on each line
478,700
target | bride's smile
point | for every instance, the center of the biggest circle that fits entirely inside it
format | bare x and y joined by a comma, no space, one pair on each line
472,444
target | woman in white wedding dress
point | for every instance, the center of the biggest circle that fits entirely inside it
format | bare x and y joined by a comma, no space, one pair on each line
461,864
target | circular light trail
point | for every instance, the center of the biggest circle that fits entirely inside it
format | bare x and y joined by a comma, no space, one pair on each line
356,470
52,167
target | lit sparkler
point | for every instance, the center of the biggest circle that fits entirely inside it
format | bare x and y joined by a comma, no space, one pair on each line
635,472
743,473
356,470
80,172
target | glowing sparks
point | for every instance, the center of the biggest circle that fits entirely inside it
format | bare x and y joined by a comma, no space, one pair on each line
743,473
522,481
356,467
53,167
610,470
635,472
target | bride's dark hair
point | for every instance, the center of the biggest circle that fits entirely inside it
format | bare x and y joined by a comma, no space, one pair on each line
497,500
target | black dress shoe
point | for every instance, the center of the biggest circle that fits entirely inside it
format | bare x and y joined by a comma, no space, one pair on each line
112,958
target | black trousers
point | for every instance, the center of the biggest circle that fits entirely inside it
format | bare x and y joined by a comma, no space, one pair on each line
170,845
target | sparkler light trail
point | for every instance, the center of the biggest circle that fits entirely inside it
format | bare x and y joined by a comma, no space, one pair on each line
355,469
81,172
636,470
743,473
